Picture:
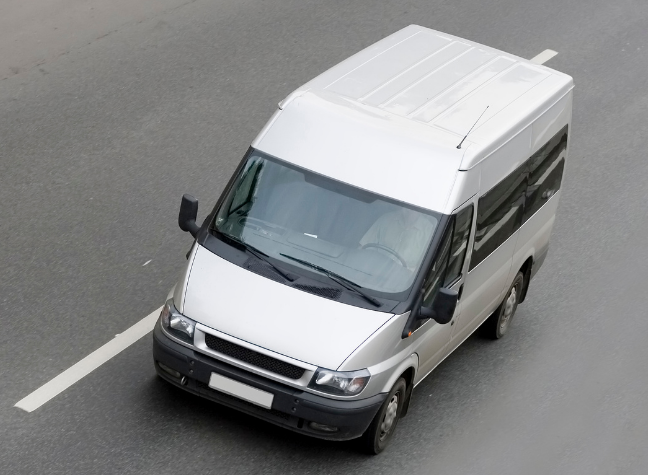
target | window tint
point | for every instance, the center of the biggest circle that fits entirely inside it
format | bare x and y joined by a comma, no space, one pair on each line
462,226
545,173
499,214
438,269
505,207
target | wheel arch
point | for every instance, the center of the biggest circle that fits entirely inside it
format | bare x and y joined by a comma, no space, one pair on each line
408,375
526,272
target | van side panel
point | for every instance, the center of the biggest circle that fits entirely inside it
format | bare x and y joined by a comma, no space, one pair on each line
486,281
180,288
386,355
483,289
503,161
546,166
533,238
466,185
549,123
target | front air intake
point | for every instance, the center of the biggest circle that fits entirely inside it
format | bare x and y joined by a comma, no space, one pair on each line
252,357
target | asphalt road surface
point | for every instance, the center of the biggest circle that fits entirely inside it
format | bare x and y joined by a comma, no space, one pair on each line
109,111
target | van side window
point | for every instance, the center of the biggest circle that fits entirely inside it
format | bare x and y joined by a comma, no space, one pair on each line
503,209
499,214
438,270
545,173
460,237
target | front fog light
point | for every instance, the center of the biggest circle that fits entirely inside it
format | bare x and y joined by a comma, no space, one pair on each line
344,383
177,324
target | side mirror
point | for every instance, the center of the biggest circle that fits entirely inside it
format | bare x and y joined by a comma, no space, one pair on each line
443,307
188,215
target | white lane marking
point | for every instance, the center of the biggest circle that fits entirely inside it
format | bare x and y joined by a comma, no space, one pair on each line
147,262
543,57
88,364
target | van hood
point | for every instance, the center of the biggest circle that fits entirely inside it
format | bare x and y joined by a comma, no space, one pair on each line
303,326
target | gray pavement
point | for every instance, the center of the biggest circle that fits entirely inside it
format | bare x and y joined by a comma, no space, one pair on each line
146,102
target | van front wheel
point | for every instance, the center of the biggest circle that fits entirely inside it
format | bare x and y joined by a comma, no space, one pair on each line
383,426
498,324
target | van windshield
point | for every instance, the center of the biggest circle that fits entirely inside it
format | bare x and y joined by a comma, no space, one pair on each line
294,215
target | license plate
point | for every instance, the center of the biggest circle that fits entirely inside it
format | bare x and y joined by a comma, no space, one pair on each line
240,390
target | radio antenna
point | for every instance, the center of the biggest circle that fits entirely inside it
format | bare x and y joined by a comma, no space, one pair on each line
462,140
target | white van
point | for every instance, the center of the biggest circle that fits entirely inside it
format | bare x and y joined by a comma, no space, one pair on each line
363,237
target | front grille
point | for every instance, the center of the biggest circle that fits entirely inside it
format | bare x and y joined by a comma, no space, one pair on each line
327,292
252,357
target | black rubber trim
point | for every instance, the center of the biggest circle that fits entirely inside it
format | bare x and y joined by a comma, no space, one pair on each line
292,408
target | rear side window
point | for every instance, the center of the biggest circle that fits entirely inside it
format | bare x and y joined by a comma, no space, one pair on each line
545,173
503,209
499,214
462,226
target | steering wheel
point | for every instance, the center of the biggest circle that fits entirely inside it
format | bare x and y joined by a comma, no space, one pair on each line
375,245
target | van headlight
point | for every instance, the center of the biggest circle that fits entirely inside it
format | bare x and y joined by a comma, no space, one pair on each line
343,383
176,323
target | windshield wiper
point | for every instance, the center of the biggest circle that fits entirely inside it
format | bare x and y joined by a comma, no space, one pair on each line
259,255
343,281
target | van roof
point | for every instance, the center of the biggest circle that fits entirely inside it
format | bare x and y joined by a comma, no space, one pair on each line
435,85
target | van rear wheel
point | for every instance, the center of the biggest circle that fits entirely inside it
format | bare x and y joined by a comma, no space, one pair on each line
383,426
499,322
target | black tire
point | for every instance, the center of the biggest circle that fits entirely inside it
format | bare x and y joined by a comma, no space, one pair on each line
500,321
382,428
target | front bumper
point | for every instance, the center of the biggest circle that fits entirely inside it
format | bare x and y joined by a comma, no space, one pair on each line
292,408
